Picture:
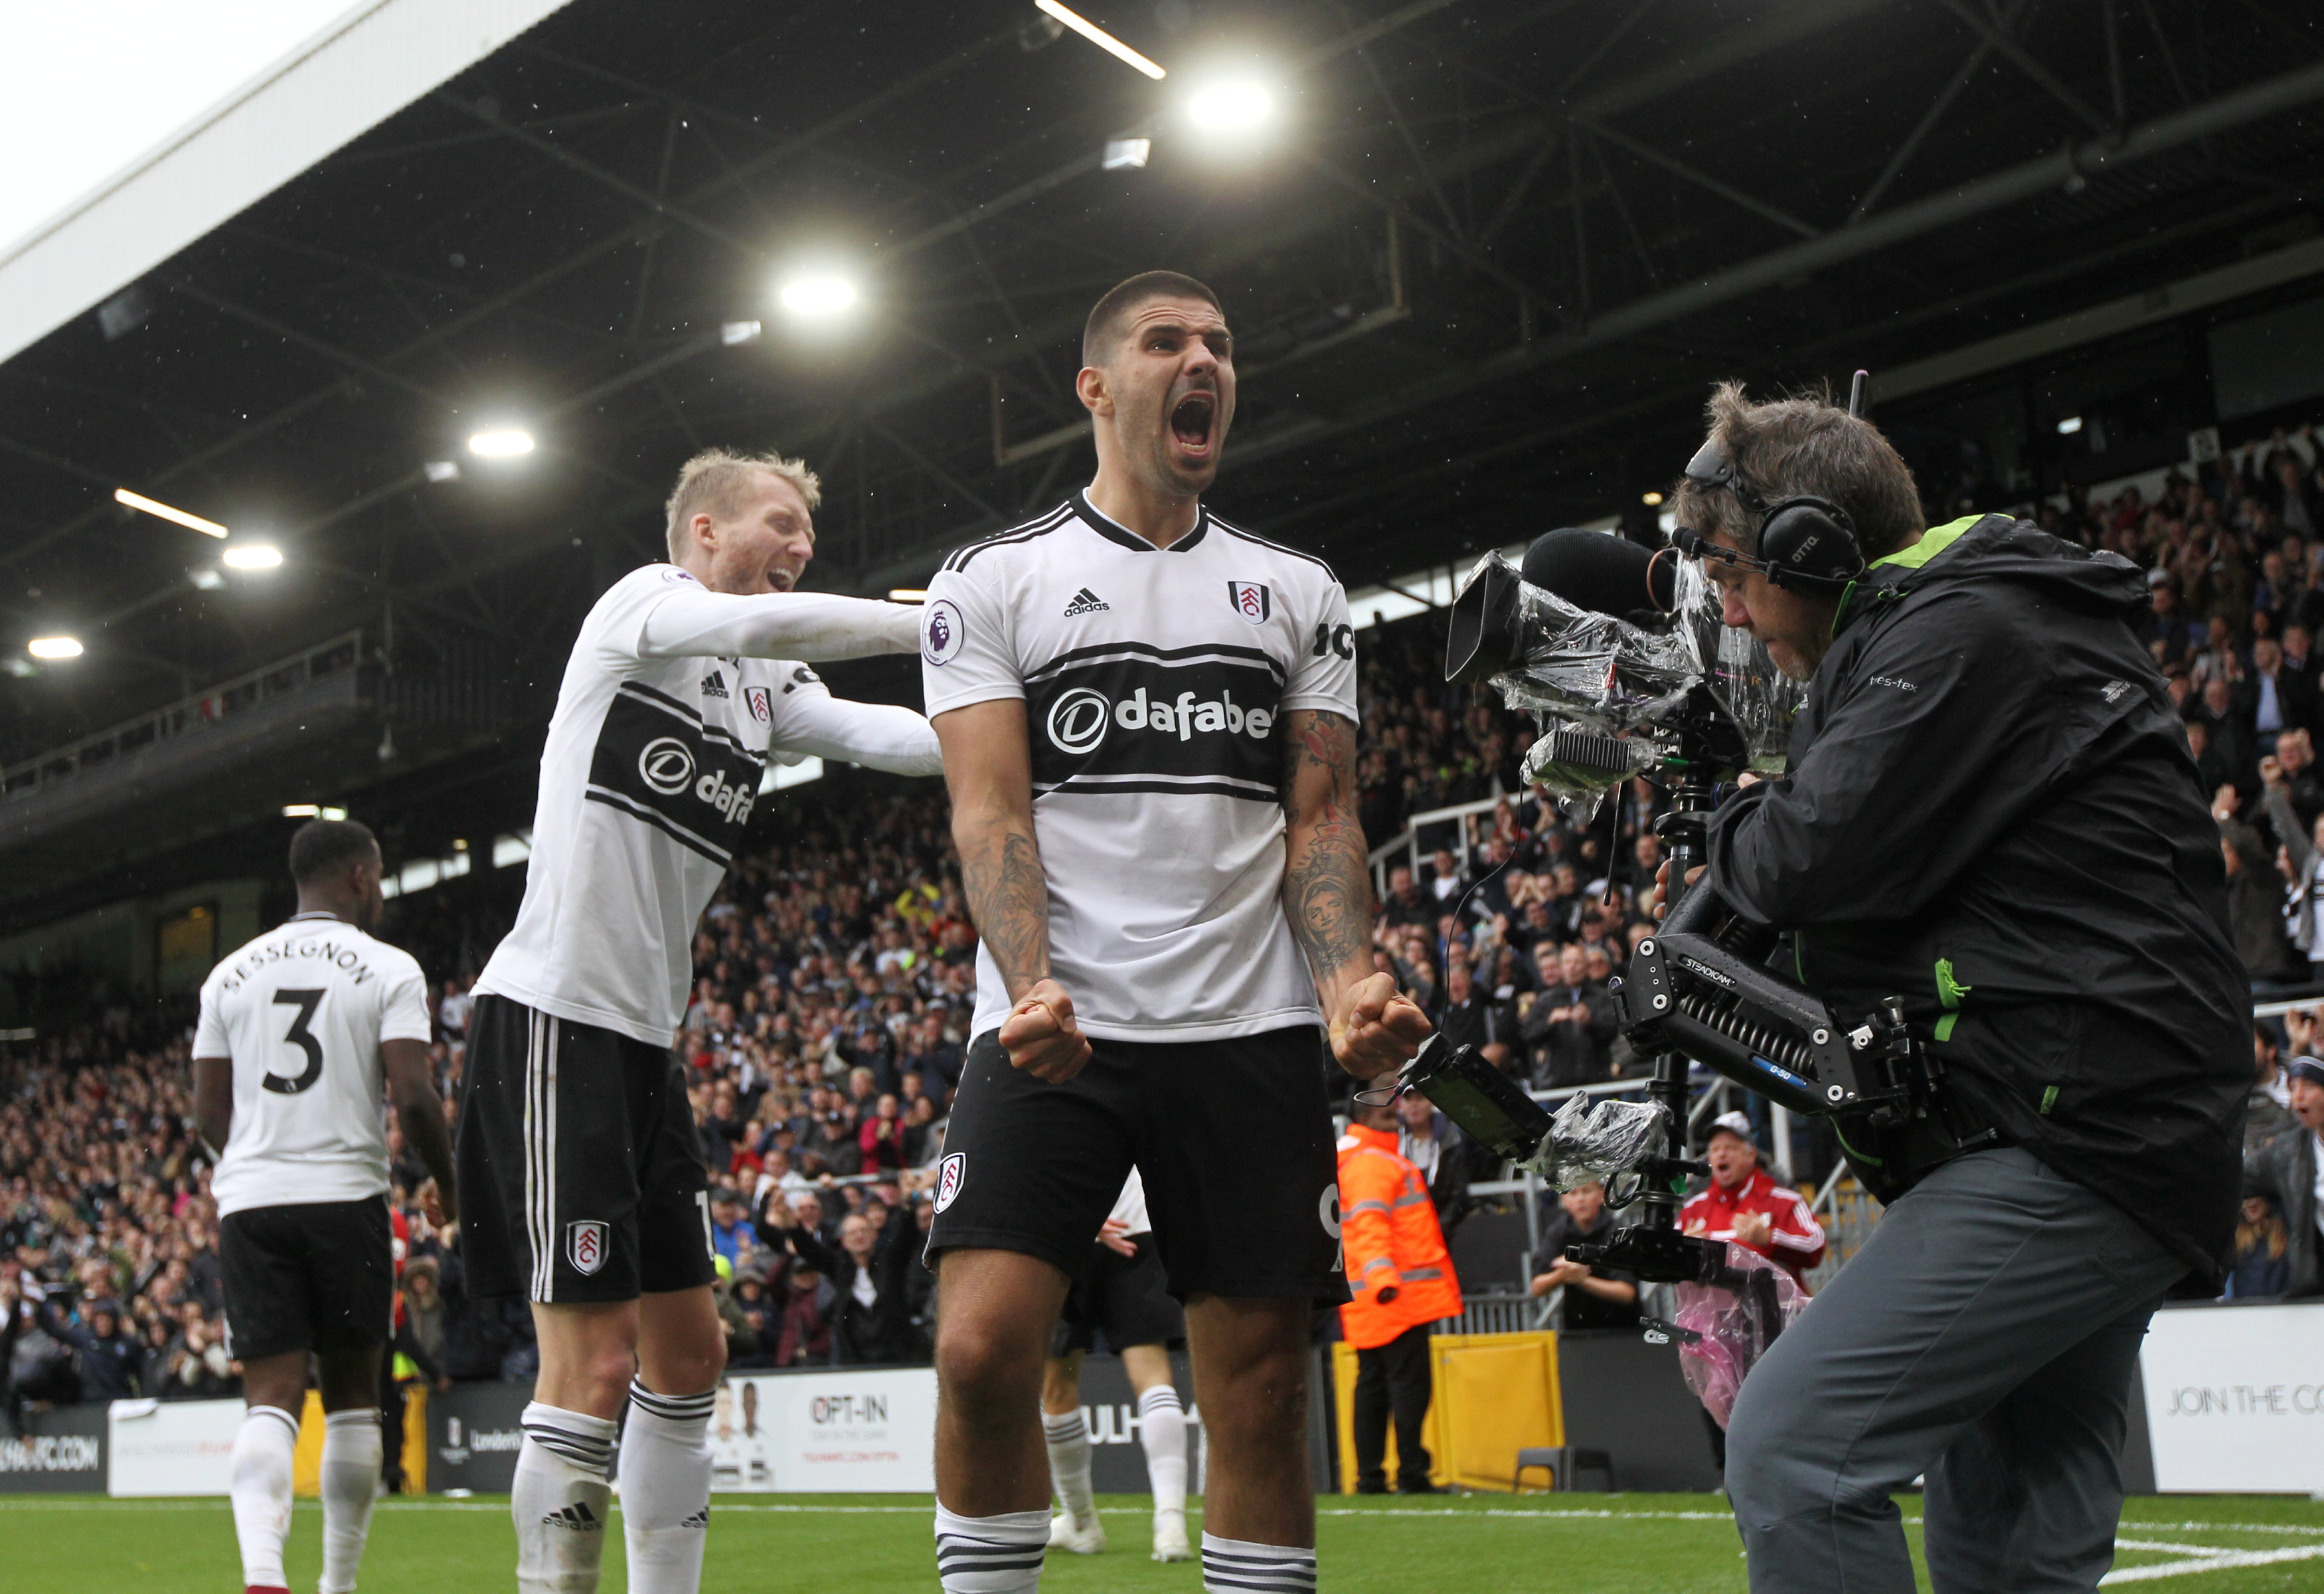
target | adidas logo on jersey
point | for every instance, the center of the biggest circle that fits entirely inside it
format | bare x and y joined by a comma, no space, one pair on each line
576,1516
1086,602
713,685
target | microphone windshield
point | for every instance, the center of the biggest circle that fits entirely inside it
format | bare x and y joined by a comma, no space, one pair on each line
1600,572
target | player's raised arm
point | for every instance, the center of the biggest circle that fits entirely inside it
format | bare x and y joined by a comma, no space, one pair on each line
989,768
689,622
1327,897
808,719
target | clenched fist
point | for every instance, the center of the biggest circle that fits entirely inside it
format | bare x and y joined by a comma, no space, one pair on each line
1376,1030
1041,1036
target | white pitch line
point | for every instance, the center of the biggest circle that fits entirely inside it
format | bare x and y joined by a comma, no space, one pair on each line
2174,1549
2212,1563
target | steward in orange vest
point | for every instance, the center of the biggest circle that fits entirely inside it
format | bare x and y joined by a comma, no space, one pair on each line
1402,1279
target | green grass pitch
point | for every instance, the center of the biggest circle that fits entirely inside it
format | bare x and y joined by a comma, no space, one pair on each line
1475,1544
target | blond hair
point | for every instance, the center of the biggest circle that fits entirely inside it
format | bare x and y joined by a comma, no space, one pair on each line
715,482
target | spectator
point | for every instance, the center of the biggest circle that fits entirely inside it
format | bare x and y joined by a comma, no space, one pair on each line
2285,1172
1426,1139
1404,904
752,1319
729,1230
1744,1205
109,1360
1472,1018
2270,1113
867,1271
1570,1024
1448,880
1595,1297
2254,899
1403,1282
2262,1270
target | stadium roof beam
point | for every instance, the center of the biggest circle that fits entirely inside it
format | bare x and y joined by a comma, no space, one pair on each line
2017,56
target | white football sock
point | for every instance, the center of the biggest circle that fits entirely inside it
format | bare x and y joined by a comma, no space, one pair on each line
352,1448
1069,1464
1238,1566
260,1487
665,1476
1162,1430
559,1501
991,1554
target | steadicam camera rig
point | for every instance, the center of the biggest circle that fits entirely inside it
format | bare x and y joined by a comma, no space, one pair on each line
1625,666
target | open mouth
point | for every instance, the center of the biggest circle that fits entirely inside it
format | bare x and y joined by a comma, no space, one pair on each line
781,579
1190,421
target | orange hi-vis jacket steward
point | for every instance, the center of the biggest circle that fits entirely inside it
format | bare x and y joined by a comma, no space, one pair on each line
1389,1236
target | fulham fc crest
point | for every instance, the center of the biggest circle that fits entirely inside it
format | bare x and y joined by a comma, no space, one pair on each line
756,696
585,1244
1249,600
950,1174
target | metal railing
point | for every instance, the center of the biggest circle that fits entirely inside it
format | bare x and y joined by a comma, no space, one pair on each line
214,706
1461,817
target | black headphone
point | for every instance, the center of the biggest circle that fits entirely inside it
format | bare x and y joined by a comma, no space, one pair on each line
1806,543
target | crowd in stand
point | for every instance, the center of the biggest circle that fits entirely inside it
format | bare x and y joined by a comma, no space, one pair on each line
834,980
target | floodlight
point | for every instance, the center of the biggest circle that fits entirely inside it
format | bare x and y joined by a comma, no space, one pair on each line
206,579
332,814
817,295
731,333
908,594
153,506
505,443
301,811
251,556
2070,425
441,470
1653,500
1099,37
54,648
1230,105
1126,153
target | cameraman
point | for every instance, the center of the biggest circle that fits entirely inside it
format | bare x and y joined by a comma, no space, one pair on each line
1989,810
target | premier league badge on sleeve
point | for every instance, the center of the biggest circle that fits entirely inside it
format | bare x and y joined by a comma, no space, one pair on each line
1249,600
940,634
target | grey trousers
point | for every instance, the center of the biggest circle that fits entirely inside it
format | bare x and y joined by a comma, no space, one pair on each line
1988,1336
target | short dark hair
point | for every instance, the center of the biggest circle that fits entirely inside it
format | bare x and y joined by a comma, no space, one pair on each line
1102,331
322,844
1805,443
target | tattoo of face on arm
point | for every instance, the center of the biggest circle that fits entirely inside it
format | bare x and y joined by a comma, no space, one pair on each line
1326,893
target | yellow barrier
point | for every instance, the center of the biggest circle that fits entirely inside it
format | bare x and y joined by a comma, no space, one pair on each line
307,1460
1495,1395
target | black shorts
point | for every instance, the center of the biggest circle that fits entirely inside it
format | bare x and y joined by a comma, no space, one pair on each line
1126,1298
581,1176
316,1275
1233,1139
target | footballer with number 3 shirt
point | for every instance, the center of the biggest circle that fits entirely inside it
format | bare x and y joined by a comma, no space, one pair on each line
1148,724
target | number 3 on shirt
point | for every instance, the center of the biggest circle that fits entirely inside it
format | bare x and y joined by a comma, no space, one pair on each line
298,1036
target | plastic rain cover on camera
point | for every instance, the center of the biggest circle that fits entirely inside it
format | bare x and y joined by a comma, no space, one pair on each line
1599,688
1588,1143
1733,1327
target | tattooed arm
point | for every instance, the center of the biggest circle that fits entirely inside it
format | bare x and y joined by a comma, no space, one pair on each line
1328,897
990,770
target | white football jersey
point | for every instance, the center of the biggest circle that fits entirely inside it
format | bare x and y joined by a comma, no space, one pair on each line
301,1012
651,768
1152,680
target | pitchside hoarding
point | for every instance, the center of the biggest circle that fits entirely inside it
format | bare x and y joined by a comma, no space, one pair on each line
852,1431
170,1447
2235,1398
60,1452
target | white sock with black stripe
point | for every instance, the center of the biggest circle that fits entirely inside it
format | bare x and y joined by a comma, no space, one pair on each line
1237,1566
991,1554
559,1499
259,1485
1069,1464
665,1476
1162,1430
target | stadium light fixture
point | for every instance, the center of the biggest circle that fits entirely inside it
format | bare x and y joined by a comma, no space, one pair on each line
441,470
1652,501
501,443
1101,38
731,333
154,506
908,594
2070,425
1126,155
206,579
251,556
817,295
1230,105
54,648
301,811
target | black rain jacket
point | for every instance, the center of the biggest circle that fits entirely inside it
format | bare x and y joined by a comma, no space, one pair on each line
1990,811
